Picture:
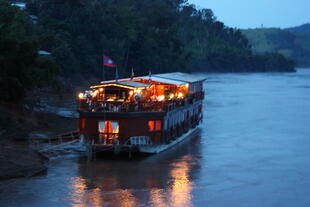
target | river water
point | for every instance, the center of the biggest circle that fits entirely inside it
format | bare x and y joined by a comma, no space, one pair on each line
253,149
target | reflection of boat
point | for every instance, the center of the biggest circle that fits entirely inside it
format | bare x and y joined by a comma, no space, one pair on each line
167,179
146,114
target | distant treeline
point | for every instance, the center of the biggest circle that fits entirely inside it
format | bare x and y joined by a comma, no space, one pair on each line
147,35
293,42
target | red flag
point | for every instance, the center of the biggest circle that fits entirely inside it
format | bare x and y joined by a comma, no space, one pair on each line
108,62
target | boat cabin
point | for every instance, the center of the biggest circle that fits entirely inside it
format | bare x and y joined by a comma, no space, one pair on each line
143,110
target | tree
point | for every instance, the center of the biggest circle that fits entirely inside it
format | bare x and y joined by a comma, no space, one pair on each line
21,68
161,36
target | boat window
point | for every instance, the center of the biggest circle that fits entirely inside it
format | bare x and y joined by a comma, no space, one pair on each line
154,125
108,127
115,126
151,126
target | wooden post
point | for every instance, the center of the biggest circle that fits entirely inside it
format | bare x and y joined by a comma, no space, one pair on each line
89,151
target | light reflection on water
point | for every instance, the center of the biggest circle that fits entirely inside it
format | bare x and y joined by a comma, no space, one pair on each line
181,191
252,150
173,187
84,195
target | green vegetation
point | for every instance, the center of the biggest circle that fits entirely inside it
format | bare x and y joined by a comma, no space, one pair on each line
293,43
160,36
21,68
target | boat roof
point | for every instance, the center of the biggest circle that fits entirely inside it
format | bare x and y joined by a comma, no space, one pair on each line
131,84
134,84
176,78
162,80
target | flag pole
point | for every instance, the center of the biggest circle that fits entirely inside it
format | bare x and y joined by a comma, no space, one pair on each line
116,75
132,74
103,74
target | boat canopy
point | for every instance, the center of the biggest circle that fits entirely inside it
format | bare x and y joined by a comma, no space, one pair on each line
161,89
123,84
162,80
176,78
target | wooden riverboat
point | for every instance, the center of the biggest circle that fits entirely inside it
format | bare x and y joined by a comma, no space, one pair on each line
146,114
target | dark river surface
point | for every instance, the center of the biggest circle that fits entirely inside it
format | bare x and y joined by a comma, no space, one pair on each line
253,149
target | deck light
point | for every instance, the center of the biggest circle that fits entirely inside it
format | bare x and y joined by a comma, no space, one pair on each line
161,98
131,93
180,95
81,95
171,96
94,94
101,89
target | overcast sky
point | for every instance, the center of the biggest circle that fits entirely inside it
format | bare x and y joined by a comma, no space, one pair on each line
253,13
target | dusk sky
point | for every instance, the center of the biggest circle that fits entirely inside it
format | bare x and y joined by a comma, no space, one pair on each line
253,13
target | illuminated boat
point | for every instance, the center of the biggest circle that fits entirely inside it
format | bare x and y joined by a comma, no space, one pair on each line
146,114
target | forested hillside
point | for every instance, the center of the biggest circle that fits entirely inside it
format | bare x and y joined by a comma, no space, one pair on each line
293,42
147,35
305,28
161,36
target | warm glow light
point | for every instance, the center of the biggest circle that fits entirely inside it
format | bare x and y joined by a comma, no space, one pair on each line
180,95
78,188
161,98
94,94
187,85
81,95
101,89
171,96
181,193
139,91
131,93
157,197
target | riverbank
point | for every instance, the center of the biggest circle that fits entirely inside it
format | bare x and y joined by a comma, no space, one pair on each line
17,157
20,161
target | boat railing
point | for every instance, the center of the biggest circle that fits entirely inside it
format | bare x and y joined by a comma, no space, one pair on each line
93,105
114,106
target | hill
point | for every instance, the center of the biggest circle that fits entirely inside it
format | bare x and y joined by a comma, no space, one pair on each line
161,36
305,28
292,42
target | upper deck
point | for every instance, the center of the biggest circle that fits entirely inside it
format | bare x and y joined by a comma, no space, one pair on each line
156,93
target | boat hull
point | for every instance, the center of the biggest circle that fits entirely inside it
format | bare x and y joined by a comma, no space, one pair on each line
129,150
155,149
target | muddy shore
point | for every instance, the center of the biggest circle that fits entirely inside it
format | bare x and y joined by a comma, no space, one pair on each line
17,161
